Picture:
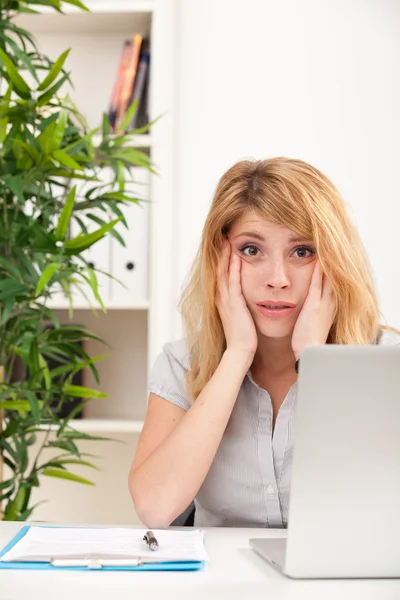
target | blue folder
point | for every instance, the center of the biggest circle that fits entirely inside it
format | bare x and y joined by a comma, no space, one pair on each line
190,565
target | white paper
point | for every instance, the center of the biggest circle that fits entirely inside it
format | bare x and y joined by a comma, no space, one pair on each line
46,543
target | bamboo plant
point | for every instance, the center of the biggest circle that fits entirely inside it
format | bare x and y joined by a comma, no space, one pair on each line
46,152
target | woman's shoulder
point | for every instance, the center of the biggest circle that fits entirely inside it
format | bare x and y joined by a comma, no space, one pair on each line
178,351
389,337
168,374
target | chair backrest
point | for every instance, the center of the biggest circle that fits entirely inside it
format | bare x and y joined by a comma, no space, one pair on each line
186,519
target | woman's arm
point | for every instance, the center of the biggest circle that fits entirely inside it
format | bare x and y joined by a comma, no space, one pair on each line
176,448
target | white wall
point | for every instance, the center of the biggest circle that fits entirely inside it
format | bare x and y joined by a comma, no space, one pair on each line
312,79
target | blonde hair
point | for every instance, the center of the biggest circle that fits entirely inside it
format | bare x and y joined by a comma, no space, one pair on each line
296,195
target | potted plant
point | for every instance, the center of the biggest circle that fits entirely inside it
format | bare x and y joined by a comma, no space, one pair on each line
45,148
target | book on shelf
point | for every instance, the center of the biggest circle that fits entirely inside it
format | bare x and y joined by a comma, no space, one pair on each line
131,84
113,107
140,90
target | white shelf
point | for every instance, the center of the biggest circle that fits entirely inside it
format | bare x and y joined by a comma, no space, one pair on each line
100,22
107,425
112,305
101,6
103,426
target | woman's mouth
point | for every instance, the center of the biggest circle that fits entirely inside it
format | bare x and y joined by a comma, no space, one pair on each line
276,310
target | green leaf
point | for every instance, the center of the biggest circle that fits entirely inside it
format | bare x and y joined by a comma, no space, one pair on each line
75,461
78,4
34,404
92,280
14,291
118,196
54,71
30,11
63,222
7,483
8,308
26,346
19,85
22,452
56,4
8,448
13,508
6,284
106,129
4,120
61,474
134,156
45,370
10,464
146,127
23,35
60,128
21,406
14,183
83,242
65,445
30,150
47,96
69,175
114,233
66,160
128,116
71,415
82,140
24,515
78,391
7,266
22,56
7,494
47,274
11,428
80,435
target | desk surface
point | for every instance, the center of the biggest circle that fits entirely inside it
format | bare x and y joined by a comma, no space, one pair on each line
234,572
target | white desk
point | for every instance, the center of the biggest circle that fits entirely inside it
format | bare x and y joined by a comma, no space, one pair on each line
233,572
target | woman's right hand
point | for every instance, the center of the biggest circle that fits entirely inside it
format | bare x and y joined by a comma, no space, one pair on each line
240,330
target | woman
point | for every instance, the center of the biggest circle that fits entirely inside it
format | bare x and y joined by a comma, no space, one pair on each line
280,267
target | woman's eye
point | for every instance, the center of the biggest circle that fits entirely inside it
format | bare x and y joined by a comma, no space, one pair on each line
304,252
249,250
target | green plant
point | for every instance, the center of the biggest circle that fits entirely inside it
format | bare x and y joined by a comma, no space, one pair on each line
45,148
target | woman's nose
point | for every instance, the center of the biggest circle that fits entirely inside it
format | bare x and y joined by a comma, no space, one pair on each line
276,275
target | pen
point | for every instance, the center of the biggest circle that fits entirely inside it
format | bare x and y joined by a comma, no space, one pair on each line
150,538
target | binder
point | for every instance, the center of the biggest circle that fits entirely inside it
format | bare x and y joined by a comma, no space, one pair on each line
98,564
129,265
98,255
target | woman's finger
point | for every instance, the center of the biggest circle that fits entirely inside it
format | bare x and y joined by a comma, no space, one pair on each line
328,296
223,269
316,282
223,263
235,287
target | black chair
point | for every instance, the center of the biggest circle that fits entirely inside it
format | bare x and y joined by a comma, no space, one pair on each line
186,519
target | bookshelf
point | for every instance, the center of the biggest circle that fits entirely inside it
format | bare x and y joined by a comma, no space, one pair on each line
134,328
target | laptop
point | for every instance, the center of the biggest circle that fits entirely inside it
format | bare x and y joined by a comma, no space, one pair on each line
344,512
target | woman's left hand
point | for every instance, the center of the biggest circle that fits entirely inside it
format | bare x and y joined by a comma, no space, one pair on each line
317,315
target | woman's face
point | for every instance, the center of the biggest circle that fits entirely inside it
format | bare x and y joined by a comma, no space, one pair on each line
277,266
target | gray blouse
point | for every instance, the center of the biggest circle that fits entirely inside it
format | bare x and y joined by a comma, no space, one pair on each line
248,484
